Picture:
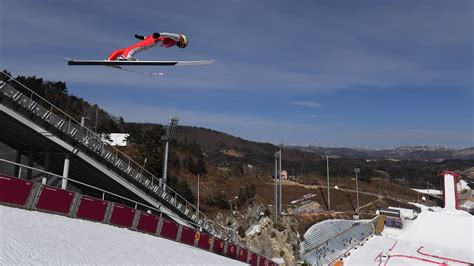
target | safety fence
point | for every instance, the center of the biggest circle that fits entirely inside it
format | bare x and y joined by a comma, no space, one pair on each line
41,112
38,197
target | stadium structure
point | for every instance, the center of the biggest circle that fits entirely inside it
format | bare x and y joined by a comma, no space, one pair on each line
431,235
102,186
99,183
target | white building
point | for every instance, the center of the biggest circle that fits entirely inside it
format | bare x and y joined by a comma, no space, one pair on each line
284,175
116,139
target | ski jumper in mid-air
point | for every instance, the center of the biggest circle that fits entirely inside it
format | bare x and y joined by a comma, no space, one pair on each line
162,39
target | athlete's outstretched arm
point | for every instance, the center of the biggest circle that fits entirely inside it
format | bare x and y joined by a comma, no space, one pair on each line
140,37
173,36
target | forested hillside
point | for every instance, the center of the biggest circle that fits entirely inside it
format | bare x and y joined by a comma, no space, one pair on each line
224,157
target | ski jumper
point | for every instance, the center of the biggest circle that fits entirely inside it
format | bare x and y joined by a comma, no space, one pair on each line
163,39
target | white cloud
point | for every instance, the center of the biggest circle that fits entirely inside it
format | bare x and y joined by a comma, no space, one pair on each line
305,104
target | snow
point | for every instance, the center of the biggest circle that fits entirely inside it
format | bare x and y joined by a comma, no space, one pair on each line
257,228
429,191
30,237
254,229
468,204
434,236
450,232
279,261
425,207
444,233
462,185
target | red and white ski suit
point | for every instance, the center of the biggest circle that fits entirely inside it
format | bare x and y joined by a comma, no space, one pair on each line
163,39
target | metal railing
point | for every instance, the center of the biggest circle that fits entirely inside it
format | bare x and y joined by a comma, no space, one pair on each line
50,175
64,123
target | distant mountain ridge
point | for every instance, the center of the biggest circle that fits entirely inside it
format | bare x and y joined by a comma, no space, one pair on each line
214,141
421,153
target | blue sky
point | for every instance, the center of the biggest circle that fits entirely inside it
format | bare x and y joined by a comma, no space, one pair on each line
342,73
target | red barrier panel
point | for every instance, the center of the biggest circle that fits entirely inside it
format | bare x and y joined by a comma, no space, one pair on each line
169,229
55,200
148,223
92,209
243,254
254,259
188,235
122,216
14,190
261,261
218,246
231,250
204,241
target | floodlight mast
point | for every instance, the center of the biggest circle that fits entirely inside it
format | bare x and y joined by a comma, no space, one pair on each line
357,170
170,130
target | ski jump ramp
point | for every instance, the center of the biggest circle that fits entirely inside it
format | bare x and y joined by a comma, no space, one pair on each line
50,129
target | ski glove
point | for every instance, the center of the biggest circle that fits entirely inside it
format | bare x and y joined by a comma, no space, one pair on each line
139,37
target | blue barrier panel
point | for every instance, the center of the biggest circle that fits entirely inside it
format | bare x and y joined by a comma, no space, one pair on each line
14,190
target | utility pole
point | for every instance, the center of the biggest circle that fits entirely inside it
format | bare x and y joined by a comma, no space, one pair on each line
197,214
278,196
96,118
327,172
357,170
276,185
279,183
379,184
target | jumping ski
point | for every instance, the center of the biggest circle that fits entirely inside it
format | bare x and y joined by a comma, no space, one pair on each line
73,62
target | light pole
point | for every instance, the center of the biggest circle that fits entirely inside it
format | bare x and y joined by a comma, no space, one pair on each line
357,170
278,207
327,172
167,137
276,186
279,182
197,214
83,120
235,204
96,118
379,184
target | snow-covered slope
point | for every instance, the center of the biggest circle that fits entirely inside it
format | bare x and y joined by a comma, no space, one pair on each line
445,233
30,237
